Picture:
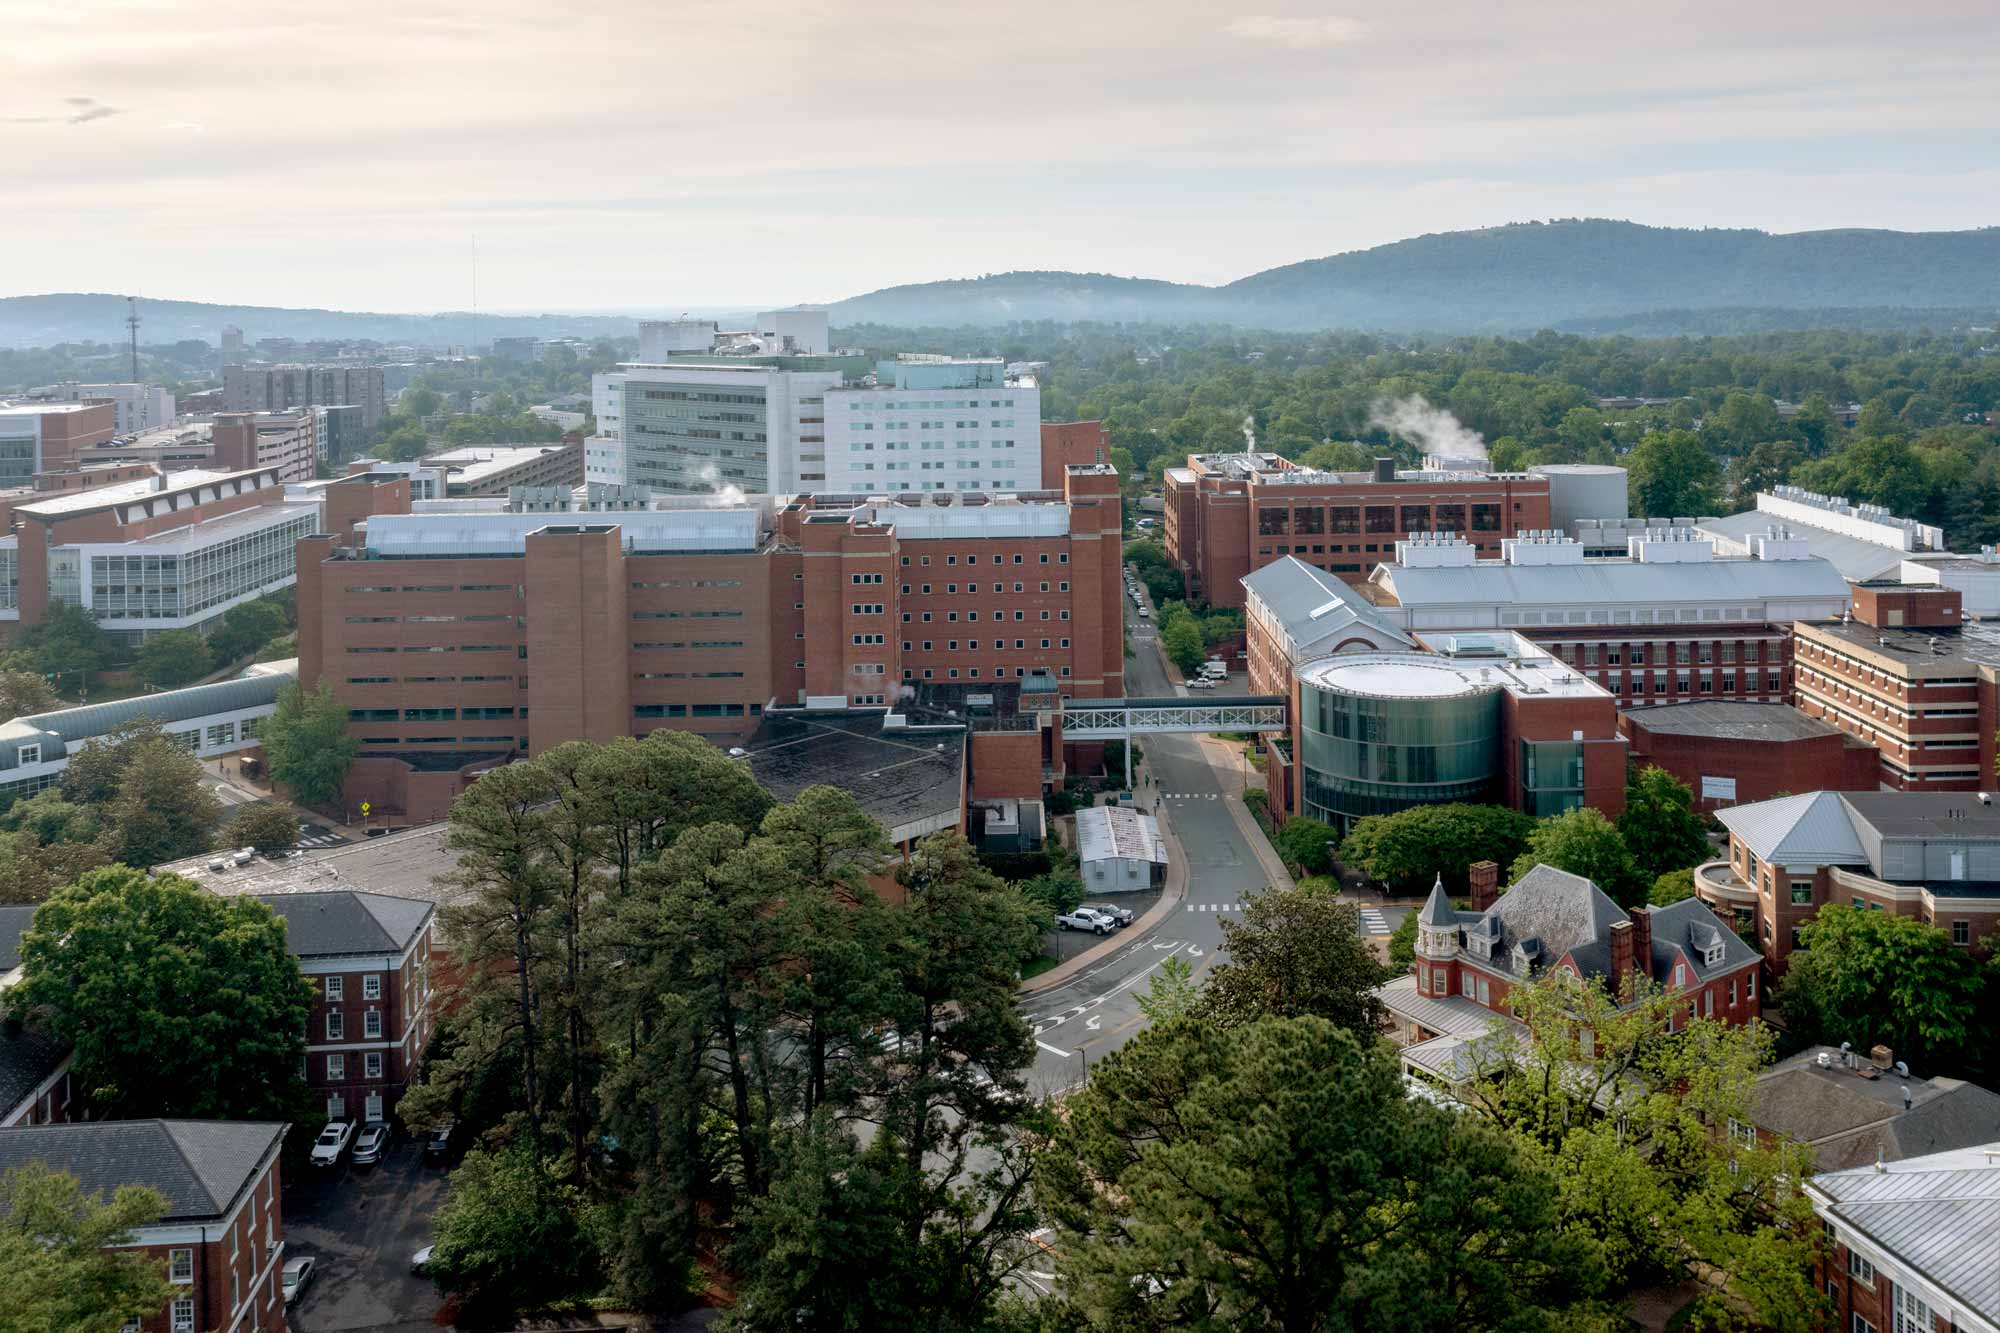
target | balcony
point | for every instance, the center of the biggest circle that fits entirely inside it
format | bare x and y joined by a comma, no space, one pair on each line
1718,884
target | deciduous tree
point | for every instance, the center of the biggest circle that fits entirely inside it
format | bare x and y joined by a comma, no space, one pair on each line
308,745
1294,953
63,1253
1872,977
1583,842
1659,826
1412,848
173,658
267,826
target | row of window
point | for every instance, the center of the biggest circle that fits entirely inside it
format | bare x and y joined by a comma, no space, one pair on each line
1277,522
951,589
336,1066
951,617
336,1024
1062,558
972,645
972,673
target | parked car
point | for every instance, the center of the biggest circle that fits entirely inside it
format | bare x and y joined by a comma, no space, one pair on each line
1121,915
1085,919
298,1273
332,1142
1144,614
421,1260
437,1146
1201,683
371,1144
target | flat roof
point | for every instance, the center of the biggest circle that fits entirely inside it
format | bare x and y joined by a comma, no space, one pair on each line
1455,665
1105,833
1974,643
1723,720
912,780
478,462
411,864
255,518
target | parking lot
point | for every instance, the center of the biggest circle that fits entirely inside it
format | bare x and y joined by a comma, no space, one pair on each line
361,1224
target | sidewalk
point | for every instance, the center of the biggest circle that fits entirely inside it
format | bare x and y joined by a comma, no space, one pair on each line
1170,898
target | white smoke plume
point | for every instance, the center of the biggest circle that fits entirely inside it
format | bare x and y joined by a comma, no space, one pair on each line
726,495
1436,431
1249,432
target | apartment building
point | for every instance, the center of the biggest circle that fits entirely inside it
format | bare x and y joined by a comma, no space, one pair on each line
138,407
1910,1244
278,388
172,552
493,469
1228,515
285,441
464,637
933,423
1667,623
1934,856
49,437
368,956
1550,921
221,1240
1909,674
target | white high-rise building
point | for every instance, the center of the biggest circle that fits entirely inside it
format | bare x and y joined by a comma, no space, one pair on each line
935,423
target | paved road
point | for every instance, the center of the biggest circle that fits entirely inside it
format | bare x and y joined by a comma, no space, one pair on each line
362,1223
1097,1011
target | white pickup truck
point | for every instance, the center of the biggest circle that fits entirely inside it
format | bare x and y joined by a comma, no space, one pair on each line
1085,919
332,1142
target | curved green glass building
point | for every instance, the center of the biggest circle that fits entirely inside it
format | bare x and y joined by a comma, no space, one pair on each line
1381,732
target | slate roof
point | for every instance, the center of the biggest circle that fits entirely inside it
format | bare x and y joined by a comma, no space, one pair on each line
1811,829
1851,1121
13,924
1315,606
343,921
1565,913
1437,908
1692,926
27,1058
1938,1214
201,1166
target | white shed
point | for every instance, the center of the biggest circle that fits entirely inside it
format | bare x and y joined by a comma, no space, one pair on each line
1120,850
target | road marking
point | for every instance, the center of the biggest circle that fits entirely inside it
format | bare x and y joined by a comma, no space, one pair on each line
1227,907
1093,1022
1373,922
1052,1050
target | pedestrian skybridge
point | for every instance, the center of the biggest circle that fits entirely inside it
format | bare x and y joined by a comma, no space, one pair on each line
1120,719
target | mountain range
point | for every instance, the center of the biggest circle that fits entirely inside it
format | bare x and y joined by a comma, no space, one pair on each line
1581,275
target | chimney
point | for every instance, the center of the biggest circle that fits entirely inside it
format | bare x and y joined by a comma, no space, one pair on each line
1642,941
1621,956
1385,470
1881,1057
1485,881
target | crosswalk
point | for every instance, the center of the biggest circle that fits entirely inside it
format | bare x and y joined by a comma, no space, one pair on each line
321,840
1373,922
1215,907
1190,796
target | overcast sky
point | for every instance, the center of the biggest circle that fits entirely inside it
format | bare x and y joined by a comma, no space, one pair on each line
663,155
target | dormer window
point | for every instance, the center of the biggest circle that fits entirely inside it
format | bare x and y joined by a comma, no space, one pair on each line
1712,955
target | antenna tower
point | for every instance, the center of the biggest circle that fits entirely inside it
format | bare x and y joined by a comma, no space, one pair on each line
132,323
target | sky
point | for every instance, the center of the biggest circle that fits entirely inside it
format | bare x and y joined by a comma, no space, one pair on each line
667,156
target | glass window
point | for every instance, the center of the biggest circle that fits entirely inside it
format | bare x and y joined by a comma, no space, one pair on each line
180,1265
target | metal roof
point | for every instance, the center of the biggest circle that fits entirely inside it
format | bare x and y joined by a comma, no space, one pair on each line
1313,606
1925,814
1615,582
60,730
1939,1215
1449,1015
1854,558
1105,833
1811,829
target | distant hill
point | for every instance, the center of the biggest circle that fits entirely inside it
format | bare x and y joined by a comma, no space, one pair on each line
1523,276
63,317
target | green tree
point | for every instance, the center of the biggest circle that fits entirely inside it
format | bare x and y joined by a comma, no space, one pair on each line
1671,887
1583,842
23,694
307,743
1412,848
176,1002
1277,1176
1674,475
173,658
1870,977
95,768
1659,826
50,819
159,811
31,871
1403,945
62,1251
1180,639
267,826
67,640
1307,843
509,1236
1294,953
1054,893
405,444
247,627
1171,993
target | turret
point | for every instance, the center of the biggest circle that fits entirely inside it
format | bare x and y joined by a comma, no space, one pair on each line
1437,942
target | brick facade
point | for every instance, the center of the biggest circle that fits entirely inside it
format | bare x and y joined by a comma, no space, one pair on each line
1759,766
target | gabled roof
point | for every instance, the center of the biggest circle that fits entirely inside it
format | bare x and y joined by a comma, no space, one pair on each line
1812,829
1853,1121
27,1058
344,921
1692,926
1566,914
1315,608
14,923
1937,1214
201,1166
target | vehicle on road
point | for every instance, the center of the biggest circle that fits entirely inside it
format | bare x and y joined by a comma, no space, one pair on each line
1201,683
332,1142
437,1146
1121,915
298,1274
1215,667
420,1262
1085,919
371,1144
1144,614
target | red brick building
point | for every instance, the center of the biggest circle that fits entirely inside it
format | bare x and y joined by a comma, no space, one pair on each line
35,1086
368,956
286,441
1228,515
1067,444
1910,675
1734,753
1934,856
1909,1244
222,1239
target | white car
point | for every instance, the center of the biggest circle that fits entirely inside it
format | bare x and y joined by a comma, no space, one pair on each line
332,1142
298,1272
1144,614
1085,919
1120,915
1201,683
420,1262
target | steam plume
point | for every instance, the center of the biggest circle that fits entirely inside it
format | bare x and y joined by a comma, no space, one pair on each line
1435,430
725,494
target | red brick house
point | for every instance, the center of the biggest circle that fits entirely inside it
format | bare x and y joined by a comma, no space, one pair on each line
222,1237
369,957
1552,922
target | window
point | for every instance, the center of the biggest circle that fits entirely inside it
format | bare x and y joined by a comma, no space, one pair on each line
180,1265
1744,1136
1860,1269
29,754
1802,895
371,1023
183,1316
371,1065
336,1026
336,988
1961,932
1749,985
1912,1315
336,1068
